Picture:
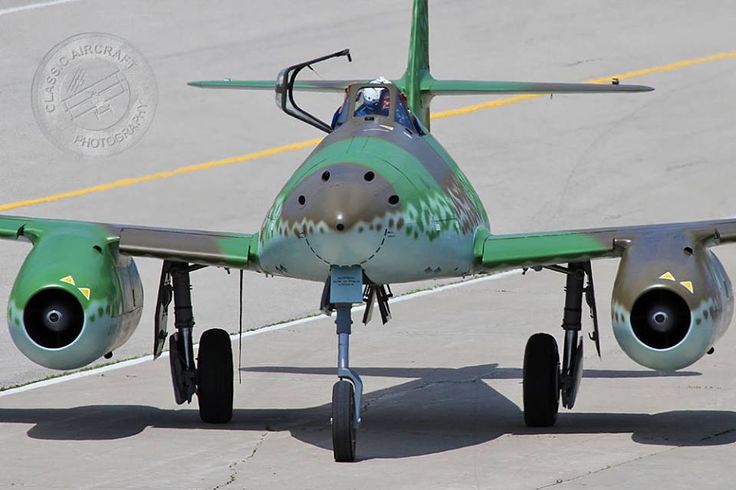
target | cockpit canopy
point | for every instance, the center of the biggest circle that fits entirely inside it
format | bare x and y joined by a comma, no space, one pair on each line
367,101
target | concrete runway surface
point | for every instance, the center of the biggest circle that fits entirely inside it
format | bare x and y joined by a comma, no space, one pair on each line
443,390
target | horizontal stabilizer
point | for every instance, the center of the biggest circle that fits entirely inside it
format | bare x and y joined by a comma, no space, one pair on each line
305,86
469,87
437,87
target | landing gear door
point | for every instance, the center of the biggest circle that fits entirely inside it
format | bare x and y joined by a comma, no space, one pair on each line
163,300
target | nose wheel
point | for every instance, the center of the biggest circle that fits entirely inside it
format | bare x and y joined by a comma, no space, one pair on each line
344,428
346,393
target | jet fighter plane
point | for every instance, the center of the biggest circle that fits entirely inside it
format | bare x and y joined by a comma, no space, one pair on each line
378,202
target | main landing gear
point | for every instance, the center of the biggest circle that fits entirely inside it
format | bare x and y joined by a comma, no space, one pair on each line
212,377
545,380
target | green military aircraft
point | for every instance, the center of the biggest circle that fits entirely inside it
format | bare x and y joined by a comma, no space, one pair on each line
378,202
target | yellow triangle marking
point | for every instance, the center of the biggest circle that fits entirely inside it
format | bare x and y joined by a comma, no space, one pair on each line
86,292
68,280
668,276
688,285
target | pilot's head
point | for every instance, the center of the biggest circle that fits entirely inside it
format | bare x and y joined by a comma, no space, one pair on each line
372,96
375,96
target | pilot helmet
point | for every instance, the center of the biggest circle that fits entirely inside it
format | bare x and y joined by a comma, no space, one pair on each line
372,95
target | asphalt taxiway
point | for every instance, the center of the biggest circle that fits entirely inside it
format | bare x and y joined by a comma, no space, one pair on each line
443,391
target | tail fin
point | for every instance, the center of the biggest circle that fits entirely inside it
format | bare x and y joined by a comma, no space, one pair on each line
417,69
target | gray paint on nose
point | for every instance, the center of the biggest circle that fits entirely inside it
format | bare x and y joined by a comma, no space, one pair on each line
342,196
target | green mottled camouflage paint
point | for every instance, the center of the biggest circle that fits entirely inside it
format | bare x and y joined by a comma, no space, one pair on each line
439,215
84,252
651,264
543,249
428,198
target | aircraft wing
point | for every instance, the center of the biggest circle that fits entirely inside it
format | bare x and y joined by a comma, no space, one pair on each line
193,246
497,252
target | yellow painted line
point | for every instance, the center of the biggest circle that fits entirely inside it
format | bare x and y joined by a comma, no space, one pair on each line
677,65
163,175
493,104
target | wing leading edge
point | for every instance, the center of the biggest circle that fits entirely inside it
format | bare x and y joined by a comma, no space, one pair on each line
193,246
497,252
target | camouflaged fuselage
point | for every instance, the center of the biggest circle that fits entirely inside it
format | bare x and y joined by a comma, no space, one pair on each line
376,194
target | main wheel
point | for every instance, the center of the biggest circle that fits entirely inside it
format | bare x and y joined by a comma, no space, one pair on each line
541,381
343,428
215,377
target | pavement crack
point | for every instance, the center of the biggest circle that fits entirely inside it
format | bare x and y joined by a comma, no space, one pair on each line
232,467
580,62
561,481
718,434
257,446
639,458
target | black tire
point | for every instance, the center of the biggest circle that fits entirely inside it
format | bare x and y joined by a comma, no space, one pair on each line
215,377
541,381
343,429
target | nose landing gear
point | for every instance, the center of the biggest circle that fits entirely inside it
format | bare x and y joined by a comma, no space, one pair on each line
343,288
346,393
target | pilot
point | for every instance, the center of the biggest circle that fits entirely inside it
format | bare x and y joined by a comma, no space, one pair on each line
371,101
375,101
403,116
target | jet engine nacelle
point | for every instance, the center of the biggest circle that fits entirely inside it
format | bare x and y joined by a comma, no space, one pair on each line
75,299
670,303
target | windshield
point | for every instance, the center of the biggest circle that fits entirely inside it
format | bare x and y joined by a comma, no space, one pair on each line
372,101
376,101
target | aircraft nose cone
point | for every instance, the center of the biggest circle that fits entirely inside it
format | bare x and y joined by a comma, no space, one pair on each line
342,211
342,198
344,206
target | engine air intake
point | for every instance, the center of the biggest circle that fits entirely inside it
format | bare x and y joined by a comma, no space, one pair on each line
660,319
53,318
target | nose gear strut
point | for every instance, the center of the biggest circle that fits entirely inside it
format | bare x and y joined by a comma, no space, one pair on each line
343,288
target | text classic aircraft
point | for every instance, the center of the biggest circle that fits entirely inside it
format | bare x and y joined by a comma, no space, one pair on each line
378,202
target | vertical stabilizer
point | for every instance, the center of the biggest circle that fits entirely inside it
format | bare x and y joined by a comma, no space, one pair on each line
417,68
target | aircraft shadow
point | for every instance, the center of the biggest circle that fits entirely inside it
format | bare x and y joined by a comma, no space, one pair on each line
442,410
487,371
